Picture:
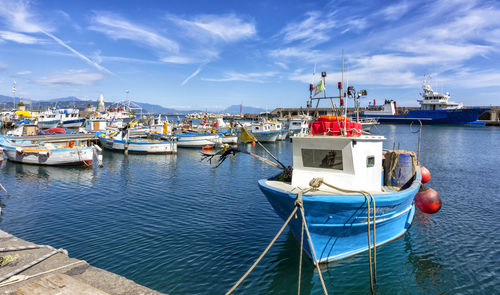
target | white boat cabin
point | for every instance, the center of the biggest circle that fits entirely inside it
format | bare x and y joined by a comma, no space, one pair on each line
388,108
261,127
353,163
433,100
276,126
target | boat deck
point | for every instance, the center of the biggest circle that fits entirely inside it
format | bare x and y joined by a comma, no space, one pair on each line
287,187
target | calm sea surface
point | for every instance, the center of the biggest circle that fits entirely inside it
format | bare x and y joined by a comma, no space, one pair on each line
179,226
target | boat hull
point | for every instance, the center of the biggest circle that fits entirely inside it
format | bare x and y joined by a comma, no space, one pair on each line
338,223
48,124
266,136
55,157
466,116
77,123
283,135
198,140
230,139
140,147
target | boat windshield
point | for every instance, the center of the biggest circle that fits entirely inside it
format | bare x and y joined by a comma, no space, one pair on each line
329,159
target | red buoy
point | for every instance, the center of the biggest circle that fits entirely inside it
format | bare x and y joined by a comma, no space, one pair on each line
426,174
428,200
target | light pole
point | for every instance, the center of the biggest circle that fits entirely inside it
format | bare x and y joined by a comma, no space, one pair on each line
14,94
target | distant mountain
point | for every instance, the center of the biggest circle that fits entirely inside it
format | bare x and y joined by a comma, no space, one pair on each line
235,110
4,98
71,101
154,108
63,99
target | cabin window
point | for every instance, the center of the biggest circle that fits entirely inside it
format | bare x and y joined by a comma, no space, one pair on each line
329,159
370,161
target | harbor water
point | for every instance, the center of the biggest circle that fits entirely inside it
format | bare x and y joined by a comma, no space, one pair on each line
177,225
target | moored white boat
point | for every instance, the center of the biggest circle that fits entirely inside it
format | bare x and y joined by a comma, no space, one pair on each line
263,132
117,142
279,127
73,153
69,118
298,125
198,140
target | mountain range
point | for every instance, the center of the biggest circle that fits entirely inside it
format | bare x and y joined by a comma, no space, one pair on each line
6,102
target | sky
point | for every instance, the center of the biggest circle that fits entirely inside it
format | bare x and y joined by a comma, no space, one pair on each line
213,54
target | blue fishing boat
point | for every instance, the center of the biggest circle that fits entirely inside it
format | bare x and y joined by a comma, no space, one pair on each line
435,108
355,195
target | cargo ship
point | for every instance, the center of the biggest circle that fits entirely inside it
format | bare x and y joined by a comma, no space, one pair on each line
435,108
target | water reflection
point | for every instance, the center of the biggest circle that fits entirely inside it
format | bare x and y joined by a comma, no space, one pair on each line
35,173
286,261
426,268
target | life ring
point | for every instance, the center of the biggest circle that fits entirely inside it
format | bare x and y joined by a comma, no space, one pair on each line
333,118
71,144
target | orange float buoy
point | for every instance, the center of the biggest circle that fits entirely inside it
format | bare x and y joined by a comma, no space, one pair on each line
253,143
428,200
426,174
207,147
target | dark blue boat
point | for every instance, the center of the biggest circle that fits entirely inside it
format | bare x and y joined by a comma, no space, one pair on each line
434,109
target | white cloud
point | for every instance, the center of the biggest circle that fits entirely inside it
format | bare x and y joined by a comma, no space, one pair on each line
229,28
23,73
72,78
401,51
116,27
18,37
396,11
18,17
246,77
281,65
300,53
191,76
178,60
313,30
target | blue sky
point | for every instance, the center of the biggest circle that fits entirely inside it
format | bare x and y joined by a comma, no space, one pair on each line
212,54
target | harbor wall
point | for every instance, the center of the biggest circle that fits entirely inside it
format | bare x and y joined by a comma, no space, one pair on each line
58,271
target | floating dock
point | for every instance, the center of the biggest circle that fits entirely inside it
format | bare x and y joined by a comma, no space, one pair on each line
26,268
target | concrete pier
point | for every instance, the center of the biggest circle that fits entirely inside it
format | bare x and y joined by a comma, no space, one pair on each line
57,274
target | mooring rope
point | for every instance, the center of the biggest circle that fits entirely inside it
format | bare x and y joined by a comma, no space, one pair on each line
24,267
298,205
4,190
263,253
19,278
315,183
316,262
300,257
